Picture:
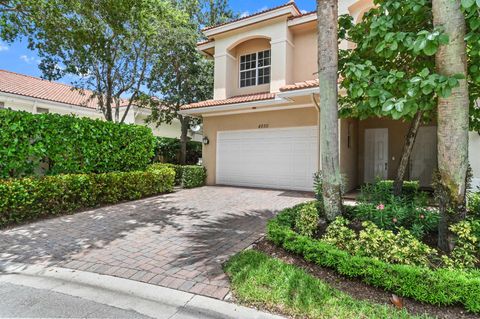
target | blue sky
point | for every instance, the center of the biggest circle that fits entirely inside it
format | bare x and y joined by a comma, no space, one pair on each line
17,57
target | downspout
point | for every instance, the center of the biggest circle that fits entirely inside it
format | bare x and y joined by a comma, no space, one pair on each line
317,106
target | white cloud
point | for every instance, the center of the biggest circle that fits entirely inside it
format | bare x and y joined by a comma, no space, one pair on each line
263,9
3,47
244,14
303,11
29,59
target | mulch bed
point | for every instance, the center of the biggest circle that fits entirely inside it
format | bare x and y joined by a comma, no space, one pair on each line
358,289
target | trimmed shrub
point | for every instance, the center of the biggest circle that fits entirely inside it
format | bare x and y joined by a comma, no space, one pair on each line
187,176
439,287
306,221
193,176
474,204
177,168
51,144
167,149
30,198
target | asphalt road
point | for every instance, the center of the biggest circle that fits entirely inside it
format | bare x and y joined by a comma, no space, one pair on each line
18,301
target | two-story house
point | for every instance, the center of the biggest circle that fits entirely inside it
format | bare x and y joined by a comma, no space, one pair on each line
261,128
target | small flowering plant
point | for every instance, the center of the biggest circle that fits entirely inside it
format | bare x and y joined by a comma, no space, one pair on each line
398,212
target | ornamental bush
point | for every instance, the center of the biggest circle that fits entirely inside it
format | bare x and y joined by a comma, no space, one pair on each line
307,219
186,176
439,287
474,204
167,150
29,198
50,144
193,176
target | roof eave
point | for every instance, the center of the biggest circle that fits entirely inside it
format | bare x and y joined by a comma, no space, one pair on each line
233,107
290,10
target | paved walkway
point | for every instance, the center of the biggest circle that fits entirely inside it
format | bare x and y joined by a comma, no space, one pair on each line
178,240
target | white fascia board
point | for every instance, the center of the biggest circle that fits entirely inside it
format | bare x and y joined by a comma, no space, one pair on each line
206,46
301,20
234,107
303,92
287,10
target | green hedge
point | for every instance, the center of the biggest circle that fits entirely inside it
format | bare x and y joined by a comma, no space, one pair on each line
168,150
50,144
30,198
439,287
187,176
193,176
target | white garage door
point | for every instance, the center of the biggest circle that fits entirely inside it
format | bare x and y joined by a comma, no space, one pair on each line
269,158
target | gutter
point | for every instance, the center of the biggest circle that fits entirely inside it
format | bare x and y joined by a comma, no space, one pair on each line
238,106
317,106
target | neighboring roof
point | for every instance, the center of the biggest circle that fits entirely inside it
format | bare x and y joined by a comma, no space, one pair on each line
233,100
290,3
300,85
25,85
29,86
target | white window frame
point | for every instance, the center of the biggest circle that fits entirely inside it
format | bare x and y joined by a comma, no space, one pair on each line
255,69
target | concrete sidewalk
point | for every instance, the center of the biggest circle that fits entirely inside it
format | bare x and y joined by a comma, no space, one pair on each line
34,291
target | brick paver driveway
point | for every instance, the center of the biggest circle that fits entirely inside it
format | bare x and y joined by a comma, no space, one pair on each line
178,240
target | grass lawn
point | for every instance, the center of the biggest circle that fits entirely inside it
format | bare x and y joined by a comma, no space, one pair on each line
271,284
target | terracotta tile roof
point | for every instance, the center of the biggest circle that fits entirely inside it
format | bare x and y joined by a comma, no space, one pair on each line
233,100
252,15
25,85
300,85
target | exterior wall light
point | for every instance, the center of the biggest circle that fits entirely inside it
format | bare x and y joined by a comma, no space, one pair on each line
205,141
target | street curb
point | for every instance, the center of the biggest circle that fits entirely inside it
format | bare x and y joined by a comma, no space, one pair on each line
150,300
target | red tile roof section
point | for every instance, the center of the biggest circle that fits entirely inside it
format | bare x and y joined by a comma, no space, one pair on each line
232,100
30,86
25,85
300,85
252,15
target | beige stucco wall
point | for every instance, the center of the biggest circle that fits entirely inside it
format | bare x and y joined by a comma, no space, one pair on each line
474,156
349,153
305,54
274,119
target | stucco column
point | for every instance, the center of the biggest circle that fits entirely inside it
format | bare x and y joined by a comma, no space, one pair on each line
281,63
224,70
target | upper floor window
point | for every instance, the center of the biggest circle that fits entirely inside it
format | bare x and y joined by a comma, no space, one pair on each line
255,69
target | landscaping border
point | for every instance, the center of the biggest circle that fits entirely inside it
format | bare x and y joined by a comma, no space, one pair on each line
438,287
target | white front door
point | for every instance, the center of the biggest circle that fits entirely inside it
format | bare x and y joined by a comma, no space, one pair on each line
423,160
376,154
268,158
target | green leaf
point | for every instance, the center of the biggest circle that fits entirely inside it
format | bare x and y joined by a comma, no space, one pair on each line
468,3
430,49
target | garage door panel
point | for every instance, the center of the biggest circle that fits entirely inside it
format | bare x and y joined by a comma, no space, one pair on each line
271,158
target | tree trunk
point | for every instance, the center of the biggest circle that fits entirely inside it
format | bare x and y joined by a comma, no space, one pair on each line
327,11
406,153
452,121
184,139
